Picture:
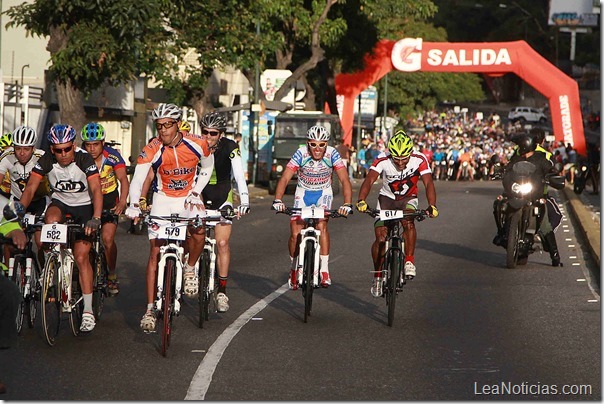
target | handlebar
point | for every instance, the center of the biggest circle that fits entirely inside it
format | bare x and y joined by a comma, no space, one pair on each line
417,215
197,221
291,211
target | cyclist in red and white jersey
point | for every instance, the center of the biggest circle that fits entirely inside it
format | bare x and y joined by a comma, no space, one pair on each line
400,170
74,179
314,163
173,156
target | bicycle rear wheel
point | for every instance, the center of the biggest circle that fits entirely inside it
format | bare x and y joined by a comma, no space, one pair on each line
20,279
51,309
167,304
34,294
204,294
77,302
394,274
307,281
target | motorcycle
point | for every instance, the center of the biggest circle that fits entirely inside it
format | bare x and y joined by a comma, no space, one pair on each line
520,211
581,176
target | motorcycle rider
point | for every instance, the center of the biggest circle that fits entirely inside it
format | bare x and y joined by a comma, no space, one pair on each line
527,152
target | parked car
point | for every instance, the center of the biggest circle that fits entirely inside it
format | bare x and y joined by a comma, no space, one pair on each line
527,114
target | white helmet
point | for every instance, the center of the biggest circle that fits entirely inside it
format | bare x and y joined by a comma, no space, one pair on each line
317,133
24,136
167,111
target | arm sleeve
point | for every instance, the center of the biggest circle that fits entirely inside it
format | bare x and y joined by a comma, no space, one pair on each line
138,179
207,165
6,226
237,167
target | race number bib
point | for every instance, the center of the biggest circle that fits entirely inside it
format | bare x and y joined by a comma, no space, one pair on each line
172,231
312,212
54,233
391,214
29,219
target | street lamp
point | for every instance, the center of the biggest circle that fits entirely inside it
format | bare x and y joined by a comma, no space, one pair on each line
23,104
22,69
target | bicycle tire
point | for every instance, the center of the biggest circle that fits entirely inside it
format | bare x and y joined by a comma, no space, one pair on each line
167,305
51,305
77,309
395,264
204,294
99,293
307,281
511,258
34,296
20,279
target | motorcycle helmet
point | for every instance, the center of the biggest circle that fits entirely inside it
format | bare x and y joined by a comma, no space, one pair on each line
525,144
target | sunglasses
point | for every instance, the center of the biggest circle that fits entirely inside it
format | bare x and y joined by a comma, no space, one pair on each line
210,132
165,125
320,145
401,159
64,150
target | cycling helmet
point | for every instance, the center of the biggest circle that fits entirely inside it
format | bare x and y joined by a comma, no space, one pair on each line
213,120
400,145
24,136
167,111
525,144
6,140
317,133
185,126
92,132
60,133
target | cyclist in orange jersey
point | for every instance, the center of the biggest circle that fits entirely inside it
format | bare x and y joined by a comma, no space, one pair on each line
173,156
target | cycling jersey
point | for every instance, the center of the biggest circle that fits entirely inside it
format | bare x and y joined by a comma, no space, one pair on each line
111,161
18,174
175,167
69,184
400,184
315,174
227,161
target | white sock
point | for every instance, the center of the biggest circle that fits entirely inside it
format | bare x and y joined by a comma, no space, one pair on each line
189,268
150,306
324,263
292,264
87,302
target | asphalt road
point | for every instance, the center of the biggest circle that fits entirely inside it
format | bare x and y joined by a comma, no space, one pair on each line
465,327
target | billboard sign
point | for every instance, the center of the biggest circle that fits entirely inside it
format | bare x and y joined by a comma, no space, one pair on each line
572,13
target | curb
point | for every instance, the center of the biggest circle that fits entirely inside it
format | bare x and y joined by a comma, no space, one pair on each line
588,225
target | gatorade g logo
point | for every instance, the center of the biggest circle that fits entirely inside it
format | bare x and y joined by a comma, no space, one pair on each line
406,54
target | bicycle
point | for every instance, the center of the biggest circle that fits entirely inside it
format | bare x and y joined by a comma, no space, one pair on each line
24,270
172,229
307,266
100,270
392,272
61,291
207,263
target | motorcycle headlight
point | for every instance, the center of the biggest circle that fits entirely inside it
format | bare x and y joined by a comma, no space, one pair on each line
583,168
522,189
279,168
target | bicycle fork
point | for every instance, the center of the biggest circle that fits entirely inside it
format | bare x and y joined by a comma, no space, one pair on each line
27,280
210,247
306,235
175,252
66,261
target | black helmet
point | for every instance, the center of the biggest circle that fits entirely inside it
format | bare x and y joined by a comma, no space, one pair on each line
538,135
525,144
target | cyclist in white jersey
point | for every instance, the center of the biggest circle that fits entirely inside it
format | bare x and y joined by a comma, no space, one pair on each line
314,164
400,169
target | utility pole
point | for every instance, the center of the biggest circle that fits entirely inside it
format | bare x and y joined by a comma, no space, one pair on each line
255,115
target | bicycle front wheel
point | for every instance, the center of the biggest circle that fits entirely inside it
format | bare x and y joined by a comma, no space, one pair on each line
307,281
394,263
20,279
77,302
167,304
34,294
204,284
99,267
51,309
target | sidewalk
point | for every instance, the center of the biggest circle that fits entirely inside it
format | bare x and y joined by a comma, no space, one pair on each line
586,209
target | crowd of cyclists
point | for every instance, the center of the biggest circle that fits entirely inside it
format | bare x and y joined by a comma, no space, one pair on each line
186,173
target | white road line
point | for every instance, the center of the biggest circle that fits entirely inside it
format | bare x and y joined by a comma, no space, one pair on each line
203,376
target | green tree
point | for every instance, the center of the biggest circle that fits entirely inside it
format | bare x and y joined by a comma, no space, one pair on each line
94,42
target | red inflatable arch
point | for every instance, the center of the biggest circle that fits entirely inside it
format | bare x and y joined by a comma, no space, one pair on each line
413,54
